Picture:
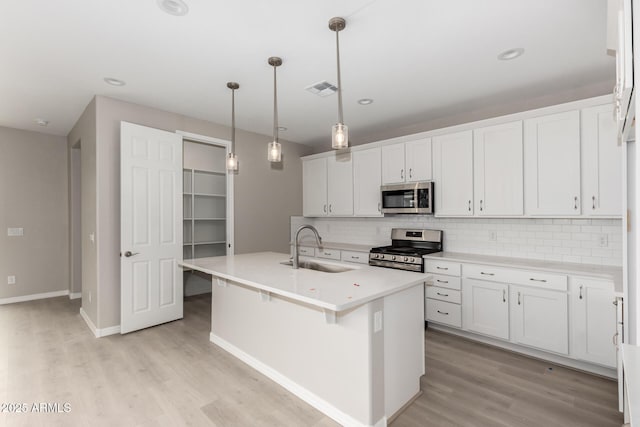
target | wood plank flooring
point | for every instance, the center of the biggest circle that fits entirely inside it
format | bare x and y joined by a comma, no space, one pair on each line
171,375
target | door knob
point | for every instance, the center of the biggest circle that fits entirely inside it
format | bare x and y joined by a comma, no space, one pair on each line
130,254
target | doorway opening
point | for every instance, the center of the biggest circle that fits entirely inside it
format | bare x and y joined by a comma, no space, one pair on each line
75,200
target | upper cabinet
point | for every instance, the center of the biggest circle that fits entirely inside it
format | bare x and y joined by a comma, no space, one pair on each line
552,164
407,162
367,177
620,39
601,163
498,170
328,186
453,174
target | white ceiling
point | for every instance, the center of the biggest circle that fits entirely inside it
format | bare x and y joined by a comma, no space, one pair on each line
418,59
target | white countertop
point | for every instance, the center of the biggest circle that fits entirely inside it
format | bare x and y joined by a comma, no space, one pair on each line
583,270
332,291
631,363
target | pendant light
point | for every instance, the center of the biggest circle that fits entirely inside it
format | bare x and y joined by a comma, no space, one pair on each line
274,151
232,159
340,131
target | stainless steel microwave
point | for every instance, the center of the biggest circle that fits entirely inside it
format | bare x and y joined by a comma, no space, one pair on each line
409,198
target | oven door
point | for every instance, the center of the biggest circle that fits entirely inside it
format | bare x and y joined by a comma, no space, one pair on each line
415,198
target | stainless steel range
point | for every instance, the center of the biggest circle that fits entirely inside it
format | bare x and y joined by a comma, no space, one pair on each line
407,248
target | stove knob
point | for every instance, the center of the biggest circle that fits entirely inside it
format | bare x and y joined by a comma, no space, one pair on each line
393,258
406,259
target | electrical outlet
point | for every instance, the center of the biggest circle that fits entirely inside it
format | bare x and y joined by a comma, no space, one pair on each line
493,236
11,280
377,321
92,237
603,241
13,231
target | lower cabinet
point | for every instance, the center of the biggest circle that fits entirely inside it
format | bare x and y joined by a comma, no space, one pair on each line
485,308
594,321
540,319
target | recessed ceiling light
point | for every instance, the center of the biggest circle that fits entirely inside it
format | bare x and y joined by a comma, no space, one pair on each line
174,7
114,82
365,101
41,122
282,128
511,54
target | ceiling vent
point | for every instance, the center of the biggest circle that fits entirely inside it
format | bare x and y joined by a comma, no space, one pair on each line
323,88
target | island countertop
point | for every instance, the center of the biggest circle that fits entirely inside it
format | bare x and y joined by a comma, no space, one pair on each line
332,291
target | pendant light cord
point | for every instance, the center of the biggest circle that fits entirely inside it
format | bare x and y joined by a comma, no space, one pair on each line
233,120
340,118
275,105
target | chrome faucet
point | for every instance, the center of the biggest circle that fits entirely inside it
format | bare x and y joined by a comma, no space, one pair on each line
294,259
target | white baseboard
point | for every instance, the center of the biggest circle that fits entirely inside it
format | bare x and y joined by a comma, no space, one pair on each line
312,399
75,295
98,333
32,297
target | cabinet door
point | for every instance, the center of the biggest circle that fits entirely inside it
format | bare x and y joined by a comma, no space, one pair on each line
393,164
594,321
418,160
367,177
340,185
552,164
540,319
498,170
601,163
314,187
485,308
453,174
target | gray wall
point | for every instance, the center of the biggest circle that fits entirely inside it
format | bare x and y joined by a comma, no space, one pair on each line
33,193
265,197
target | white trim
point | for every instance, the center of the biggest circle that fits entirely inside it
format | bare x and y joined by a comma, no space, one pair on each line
537,354
75,295
312,399
98,333
32,297
523,115
230,204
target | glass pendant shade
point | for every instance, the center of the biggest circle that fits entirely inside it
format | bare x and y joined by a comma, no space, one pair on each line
232,162
274,152
339,136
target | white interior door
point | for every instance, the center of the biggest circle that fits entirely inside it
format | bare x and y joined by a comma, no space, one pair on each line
151,227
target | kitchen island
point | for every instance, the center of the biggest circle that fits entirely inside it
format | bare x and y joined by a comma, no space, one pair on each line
350,344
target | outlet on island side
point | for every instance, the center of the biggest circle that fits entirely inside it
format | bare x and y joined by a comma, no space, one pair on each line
11,280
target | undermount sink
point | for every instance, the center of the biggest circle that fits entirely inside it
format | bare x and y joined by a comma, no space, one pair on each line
325,268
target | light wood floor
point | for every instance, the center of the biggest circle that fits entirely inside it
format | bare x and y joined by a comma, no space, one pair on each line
171,375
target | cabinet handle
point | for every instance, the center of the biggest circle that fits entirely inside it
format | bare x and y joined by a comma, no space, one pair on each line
575,203
580,292
615,302
481,205
410,173
379,207
330,210
327,253
324,208
593,204
538,280
442,268
487,274
504,295
519,298
442,295
401,173
469,205
355,257
442,312
442,281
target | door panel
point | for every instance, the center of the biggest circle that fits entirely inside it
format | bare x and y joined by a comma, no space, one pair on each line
418,160
393,164
367,177
453,174
486,308
314,182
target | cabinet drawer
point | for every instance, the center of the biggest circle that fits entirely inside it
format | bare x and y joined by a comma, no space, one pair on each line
359,257
443,312
444,294
306,251
486,272
538,279
328,253
443,267
445,281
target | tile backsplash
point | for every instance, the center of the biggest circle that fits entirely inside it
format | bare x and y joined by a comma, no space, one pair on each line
586,241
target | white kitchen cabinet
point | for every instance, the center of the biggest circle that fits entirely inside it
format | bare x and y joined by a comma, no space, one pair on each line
552,164
314,187
540,319
620,39
340,185
498,170
328,186
593,321
485,308
453,174
407,162
601,163
367,178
